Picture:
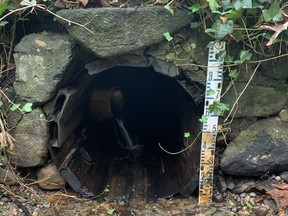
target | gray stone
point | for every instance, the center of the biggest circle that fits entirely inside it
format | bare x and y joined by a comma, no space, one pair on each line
276,69
41,62
129,60
256,101
259,149
49,178
284,176
31,134
283,115
164,67
121,30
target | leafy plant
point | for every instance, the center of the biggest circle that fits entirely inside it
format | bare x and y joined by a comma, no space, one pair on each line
218,108
26,108
167,36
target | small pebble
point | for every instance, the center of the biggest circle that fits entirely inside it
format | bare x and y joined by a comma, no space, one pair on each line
260,211
284,176
278,178
231,186
5,199
252,194
243,195
46,205
70,206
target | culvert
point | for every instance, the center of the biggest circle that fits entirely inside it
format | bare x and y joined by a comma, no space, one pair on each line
110,128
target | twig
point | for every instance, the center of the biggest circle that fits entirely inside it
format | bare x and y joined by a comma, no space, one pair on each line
43,7
242,92
11,102
21,206
179,152
67,20
13,30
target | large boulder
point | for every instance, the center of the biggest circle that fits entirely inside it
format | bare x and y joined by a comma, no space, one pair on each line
122,30
31,135
256,101
41,62
259,149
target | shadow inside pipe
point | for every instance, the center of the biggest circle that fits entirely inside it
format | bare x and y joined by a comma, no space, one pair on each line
123,149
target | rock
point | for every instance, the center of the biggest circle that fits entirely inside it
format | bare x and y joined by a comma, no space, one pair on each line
256,101
31,134
284,176
49,178
260,210
259,149
121,30
275,69
239,124
42,60
7,177
283,115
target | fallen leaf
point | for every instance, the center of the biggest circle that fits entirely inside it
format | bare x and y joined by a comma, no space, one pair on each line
281,186
224,19
278,28
84,2
278,192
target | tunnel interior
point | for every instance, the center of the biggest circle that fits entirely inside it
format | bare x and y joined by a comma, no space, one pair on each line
130,145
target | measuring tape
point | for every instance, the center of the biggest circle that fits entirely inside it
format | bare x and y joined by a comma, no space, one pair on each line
209,131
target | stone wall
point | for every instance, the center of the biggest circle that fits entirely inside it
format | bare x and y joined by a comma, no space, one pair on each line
45,62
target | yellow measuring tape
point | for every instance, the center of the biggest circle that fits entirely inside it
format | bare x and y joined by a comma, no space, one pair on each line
209,131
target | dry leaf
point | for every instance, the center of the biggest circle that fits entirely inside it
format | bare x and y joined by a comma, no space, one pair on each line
224,19
40,43
278,28
84,2
279,192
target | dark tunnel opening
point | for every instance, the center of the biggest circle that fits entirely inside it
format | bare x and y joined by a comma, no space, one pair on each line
125,147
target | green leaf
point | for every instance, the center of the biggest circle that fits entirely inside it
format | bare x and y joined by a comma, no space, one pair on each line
218,108
233,73
244,56
194,25
27,107
1,103
110,211
221,55
193,45
274,13
213,5
3,23
229,59
211,92
234,14
246,4
203,119
167,7
15,107
187,134
168,36
196,7
221,29
3,6
249,204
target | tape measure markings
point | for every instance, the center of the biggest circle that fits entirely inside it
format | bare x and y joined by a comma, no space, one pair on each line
209,130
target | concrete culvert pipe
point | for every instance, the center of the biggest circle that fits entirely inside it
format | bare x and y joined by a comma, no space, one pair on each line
116,128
